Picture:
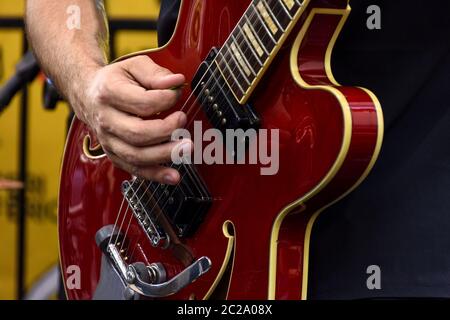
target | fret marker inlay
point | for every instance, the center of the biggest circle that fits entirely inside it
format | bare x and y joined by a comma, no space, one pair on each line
289,3
267,18
252,39
240,59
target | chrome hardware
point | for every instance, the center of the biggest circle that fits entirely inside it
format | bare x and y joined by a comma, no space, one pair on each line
147,280
157,273
237,115
172,286
136,196
117,258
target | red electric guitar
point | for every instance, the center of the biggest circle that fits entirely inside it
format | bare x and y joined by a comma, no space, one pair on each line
226,231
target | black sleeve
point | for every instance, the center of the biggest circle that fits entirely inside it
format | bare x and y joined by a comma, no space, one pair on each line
167,20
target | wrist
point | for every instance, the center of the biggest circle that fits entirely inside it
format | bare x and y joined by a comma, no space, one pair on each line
79,92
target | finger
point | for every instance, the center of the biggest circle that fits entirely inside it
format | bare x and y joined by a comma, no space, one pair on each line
138,132
157,173
152,76
136,100
146,156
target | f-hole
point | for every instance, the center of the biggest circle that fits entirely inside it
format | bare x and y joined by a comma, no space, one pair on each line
221,290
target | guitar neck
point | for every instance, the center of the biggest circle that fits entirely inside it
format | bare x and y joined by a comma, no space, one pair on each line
254,42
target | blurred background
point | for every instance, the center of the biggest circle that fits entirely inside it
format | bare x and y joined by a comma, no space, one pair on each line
33,127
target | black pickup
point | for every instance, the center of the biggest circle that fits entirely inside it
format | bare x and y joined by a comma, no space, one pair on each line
184,205
217,100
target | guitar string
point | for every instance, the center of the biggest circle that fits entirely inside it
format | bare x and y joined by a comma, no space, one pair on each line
187,171
229,54
190,108
254,14
242,37
240,34
117,220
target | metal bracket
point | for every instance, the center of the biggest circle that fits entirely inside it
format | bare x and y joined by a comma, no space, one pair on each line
174,285
149,281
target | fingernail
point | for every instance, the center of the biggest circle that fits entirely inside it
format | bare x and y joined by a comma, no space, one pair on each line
185,148
173,75
168,179
182,120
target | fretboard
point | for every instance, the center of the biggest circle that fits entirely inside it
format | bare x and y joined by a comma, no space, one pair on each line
253,42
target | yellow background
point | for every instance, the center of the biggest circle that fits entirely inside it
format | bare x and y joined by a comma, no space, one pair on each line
46,133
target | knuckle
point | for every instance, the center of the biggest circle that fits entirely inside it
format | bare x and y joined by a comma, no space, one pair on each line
166,154
143,58
166,99
136,171
107,148
135,134
166,127
102,121
145,111
130,157
102,94
161,71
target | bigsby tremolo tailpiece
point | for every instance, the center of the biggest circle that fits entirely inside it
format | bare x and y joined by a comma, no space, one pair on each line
147,280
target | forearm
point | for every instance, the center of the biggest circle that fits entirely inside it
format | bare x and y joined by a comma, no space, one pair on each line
114,100
68,55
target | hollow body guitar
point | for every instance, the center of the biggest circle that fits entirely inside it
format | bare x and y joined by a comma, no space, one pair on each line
226,231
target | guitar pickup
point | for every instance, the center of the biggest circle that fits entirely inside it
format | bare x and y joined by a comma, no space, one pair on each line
217,100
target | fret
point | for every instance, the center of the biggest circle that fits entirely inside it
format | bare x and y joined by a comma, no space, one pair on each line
240,56
283,16
260,24
289,3
258,34
270,10
222,84
292,5
235,65
231,79
251,34
285,9
262,33
268,17
246,47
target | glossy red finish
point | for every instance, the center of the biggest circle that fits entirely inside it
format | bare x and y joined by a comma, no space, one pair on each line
311,134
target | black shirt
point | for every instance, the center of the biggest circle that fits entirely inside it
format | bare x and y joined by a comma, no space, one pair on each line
399,218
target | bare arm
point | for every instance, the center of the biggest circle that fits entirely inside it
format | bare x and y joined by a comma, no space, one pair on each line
111,99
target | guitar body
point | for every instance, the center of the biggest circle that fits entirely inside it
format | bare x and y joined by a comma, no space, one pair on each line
256,233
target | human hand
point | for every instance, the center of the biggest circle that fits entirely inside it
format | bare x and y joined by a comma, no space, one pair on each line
114,103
